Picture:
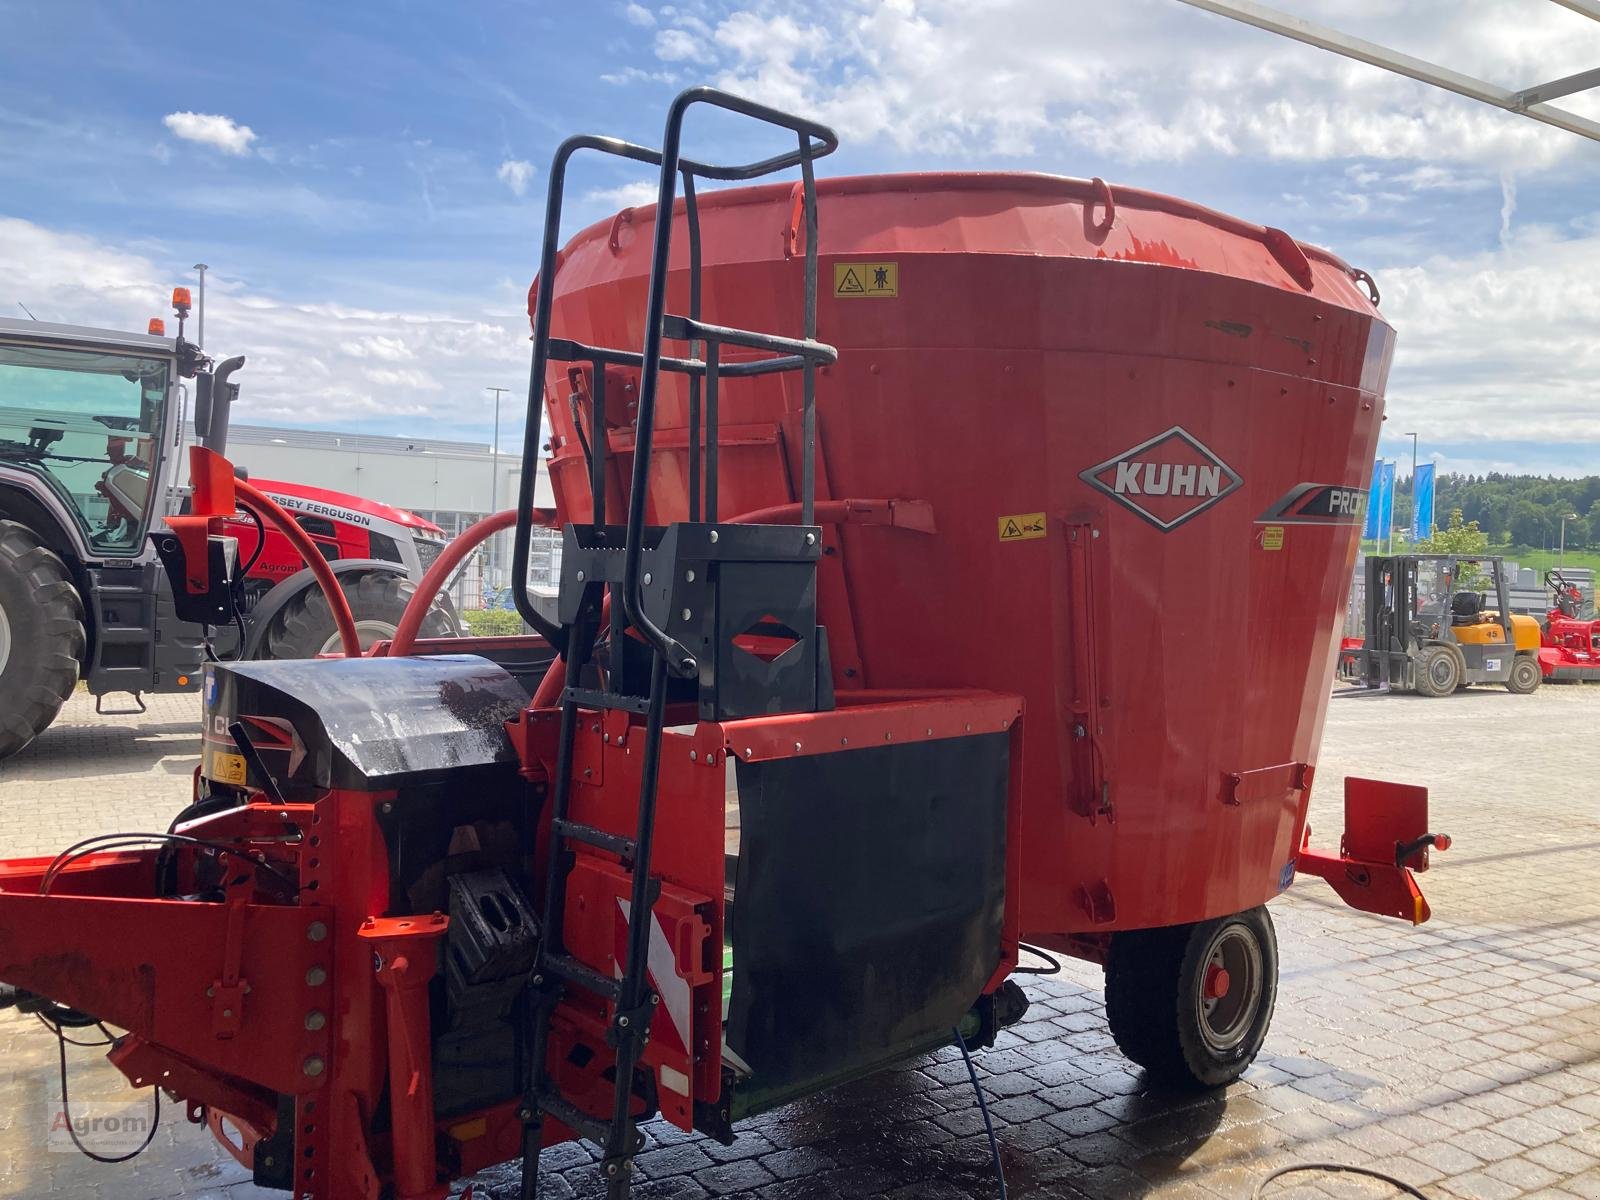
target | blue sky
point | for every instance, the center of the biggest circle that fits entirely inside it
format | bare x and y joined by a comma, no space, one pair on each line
367,180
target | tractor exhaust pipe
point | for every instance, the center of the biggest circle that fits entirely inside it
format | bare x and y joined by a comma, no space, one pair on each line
214,397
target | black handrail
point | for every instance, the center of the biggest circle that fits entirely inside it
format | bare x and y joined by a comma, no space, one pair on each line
679,659
815,141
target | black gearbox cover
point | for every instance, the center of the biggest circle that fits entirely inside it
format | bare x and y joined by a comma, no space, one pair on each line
363,724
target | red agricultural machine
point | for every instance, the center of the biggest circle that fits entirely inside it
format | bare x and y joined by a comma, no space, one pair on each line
1570,645
876,656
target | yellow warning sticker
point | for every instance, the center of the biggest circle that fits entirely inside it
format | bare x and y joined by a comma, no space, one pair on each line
1272,537
865,281
227,768
1019,527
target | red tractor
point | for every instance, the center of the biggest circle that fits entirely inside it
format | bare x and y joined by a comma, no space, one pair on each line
90,427
1570,645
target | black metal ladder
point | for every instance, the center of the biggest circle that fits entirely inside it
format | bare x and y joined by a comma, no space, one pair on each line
631,998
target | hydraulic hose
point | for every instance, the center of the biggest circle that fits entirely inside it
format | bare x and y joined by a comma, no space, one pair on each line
436,576
264,504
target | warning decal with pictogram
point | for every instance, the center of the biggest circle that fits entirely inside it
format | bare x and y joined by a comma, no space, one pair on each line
856,281
1021,526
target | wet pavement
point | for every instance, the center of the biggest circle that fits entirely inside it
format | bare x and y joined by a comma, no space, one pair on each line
1463,1057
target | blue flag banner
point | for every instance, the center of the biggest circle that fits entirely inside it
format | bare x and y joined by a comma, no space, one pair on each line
1375,517
1386,518
1422,503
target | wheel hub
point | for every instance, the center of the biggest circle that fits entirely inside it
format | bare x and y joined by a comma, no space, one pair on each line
1230,988
370,632
5,639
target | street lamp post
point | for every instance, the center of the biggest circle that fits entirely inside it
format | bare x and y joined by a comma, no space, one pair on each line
1413,438
200,313
494,456
1565,517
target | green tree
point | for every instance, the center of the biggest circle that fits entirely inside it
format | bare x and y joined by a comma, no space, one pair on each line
1458,537
1529,525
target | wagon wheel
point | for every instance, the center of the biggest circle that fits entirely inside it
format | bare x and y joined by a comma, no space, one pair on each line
1191,1003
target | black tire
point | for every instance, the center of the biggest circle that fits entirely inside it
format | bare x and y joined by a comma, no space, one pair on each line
1525,675
305,628
1438,671
42,639
1157,1006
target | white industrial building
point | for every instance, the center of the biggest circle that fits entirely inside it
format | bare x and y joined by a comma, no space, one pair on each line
449,483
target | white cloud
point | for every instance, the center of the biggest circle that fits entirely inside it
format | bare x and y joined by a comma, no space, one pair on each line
637,14
677,45
1500,344
627,195
1508,204
387,349
516,174
636,75
1149,80
310,362
209,129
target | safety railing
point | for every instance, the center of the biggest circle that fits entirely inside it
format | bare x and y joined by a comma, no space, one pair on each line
703,366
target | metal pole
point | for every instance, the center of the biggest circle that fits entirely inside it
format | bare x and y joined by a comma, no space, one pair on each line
1413,438
200,314
494,462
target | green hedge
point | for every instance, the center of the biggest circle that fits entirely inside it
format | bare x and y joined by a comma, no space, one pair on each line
493,622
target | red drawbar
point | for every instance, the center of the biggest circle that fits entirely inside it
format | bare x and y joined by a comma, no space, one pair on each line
1385,838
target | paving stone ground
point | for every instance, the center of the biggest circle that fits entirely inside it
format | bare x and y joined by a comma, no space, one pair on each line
1463,1057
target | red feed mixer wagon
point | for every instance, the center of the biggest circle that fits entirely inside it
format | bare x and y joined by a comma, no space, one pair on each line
1008,612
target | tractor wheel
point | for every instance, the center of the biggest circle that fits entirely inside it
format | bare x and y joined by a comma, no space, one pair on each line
1191,1003
305,628
41,636
1525,675
1438,671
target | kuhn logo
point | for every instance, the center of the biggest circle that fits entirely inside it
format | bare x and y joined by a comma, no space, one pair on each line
1170,479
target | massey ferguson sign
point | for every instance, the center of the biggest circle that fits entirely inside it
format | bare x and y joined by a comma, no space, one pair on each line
1167,480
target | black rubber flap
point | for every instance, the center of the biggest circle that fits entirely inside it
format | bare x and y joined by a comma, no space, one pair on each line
367,723
868,907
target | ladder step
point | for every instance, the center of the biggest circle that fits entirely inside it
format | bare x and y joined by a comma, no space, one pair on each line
596,1130
624,848
584,976
594,698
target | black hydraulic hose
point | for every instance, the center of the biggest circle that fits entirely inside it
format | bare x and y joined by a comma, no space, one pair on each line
983,1107
1342,1168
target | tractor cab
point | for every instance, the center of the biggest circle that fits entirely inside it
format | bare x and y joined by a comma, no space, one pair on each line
1436,623
84,427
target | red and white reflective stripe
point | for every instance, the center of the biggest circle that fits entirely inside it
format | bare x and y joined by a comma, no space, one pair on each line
663,970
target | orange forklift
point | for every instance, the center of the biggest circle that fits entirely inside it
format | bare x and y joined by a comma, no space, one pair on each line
1437,623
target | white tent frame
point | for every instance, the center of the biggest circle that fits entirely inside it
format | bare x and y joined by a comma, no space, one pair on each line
1530,102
